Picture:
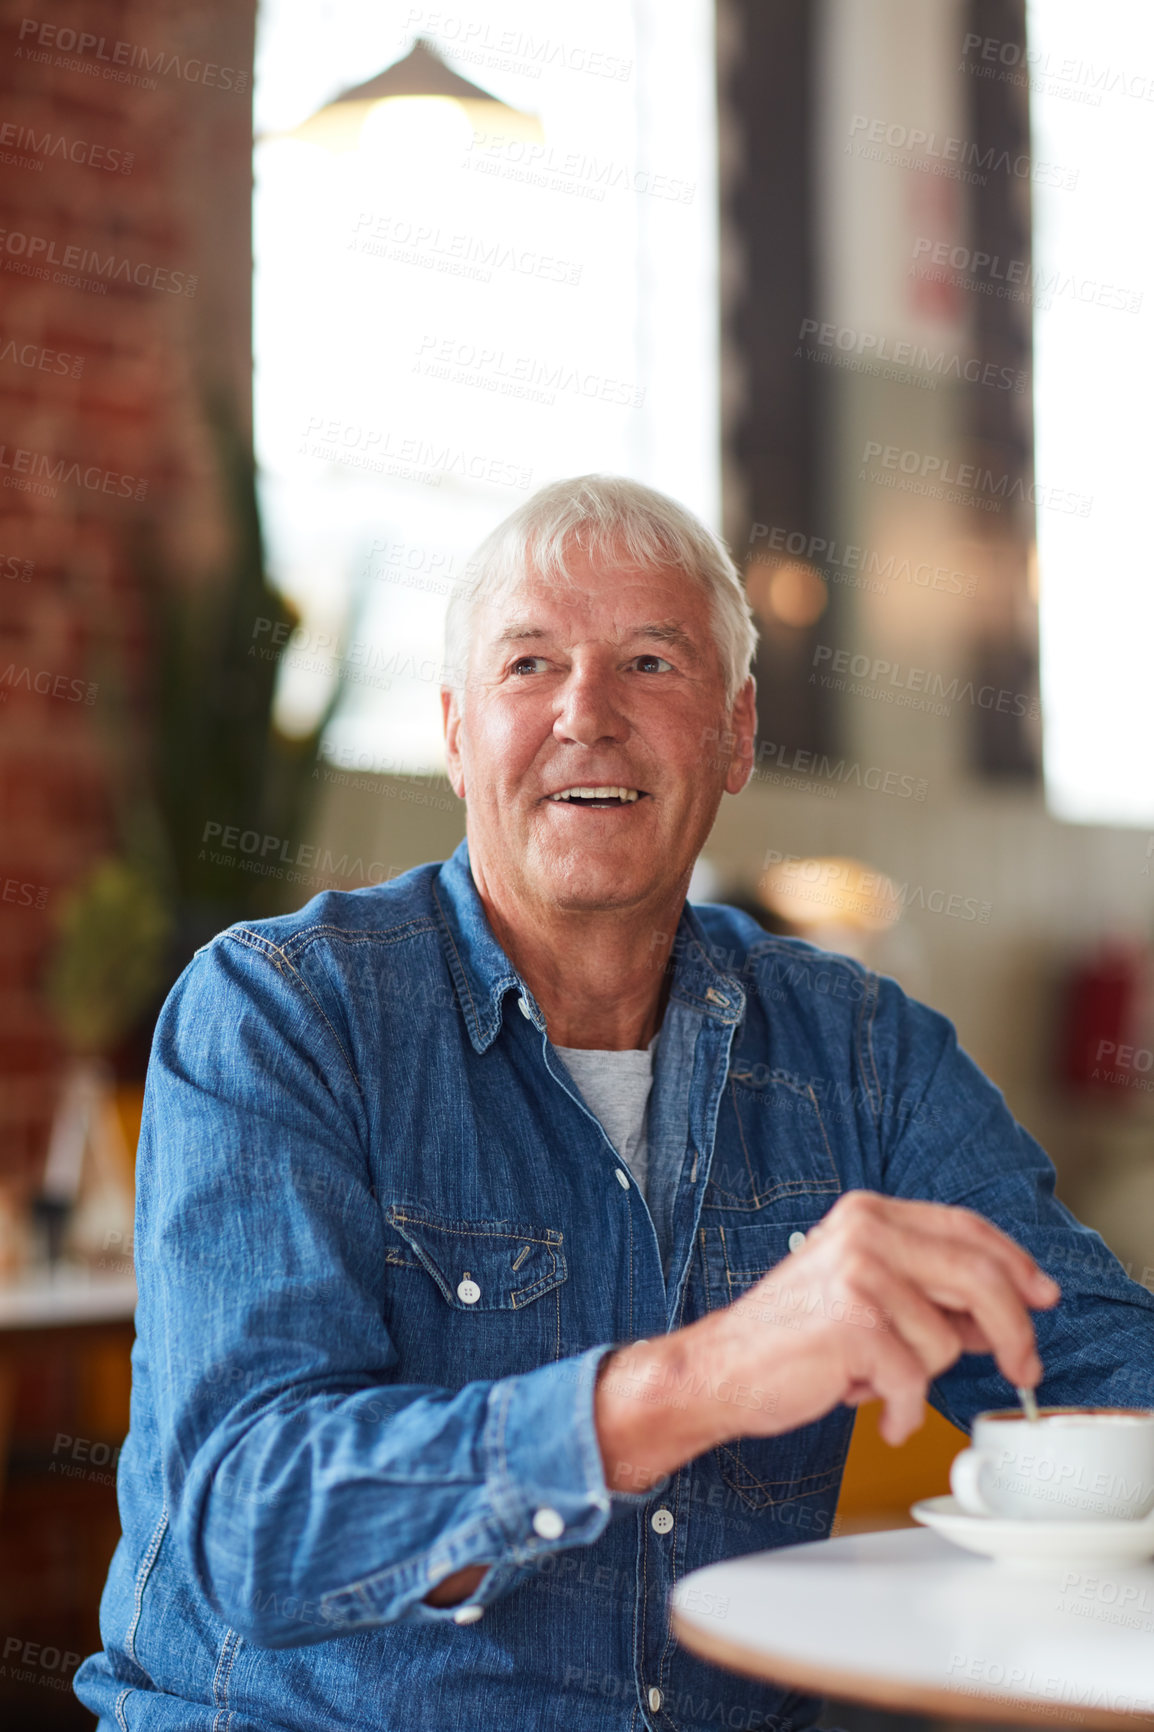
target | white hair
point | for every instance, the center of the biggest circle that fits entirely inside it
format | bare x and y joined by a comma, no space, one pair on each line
612,521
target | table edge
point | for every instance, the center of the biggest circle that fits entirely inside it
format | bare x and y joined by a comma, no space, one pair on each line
891,1693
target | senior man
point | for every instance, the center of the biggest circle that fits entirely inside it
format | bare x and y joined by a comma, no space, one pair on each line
514,1237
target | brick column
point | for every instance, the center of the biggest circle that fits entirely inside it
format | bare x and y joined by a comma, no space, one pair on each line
125,300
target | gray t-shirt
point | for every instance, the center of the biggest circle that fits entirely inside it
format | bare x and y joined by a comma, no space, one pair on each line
615,1087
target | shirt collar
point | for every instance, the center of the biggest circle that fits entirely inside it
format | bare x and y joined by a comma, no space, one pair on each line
483,974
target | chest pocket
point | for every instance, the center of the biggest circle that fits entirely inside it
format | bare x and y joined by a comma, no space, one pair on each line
772,1147
471,1299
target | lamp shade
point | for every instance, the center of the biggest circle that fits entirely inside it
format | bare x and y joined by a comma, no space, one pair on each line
421,73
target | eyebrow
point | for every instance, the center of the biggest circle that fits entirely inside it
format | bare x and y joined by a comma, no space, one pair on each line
518,633
656,631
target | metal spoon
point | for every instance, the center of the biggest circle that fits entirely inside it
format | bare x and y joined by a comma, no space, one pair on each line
1029,1405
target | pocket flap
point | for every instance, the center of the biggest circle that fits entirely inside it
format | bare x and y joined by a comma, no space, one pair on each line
772,1127
482,1265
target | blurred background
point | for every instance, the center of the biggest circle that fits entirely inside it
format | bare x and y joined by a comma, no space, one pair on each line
298,299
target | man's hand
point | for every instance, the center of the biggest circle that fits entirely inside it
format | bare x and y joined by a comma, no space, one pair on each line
883,1296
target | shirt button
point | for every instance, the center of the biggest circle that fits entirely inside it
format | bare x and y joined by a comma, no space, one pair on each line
523,1007
654,1698
468,1292
468,1614
661,1521
621,1179
548,1524
796,1241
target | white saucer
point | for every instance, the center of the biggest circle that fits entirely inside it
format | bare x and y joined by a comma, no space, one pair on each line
1040,1542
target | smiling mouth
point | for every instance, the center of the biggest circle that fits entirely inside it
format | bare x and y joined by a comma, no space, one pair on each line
597,797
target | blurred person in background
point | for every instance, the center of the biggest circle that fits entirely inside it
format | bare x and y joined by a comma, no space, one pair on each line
515,1237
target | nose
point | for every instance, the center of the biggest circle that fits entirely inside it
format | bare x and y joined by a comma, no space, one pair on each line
589,711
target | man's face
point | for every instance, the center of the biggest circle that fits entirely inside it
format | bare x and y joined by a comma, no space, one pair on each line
616,684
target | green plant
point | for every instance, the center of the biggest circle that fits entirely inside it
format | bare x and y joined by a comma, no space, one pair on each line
219,759
113,930
204,753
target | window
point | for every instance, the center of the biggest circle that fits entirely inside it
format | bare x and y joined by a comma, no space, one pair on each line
457,301
1092,96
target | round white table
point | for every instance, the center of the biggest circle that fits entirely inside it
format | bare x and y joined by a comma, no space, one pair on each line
905,1620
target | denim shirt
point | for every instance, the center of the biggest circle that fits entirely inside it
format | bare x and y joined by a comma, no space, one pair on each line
382,1248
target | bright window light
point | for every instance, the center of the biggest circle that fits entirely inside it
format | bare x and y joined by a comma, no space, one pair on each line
1091,75
459,301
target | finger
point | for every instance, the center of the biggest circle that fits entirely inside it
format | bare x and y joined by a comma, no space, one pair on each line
979,1286
972,1268
950,1270
899,1305
973,1339
967,1270
900,1420
857,1394
851,1365
1038,1289
917,1220
969,1333
912,1219
897,1378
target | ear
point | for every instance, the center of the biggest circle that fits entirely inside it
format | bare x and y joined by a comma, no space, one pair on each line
743,728
453,725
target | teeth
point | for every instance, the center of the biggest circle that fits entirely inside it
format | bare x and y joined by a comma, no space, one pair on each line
628,795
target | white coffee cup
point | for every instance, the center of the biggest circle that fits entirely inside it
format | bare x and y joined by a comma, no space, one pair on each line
1071,1464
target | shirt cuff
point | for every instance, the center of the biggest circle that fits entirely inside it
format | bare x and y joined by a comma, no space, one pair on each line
544,1464
545,1488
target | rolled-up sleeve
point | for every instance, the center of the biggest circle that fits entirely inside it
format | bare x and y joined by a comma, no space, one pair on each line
310,1490
945,1133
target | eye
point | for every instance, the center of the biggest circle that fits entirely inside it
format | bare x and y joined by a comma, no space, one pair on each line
525,664
665,667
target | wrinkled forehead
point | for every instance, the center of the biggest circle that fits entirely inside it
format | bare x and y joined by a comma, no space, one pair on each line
598,602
